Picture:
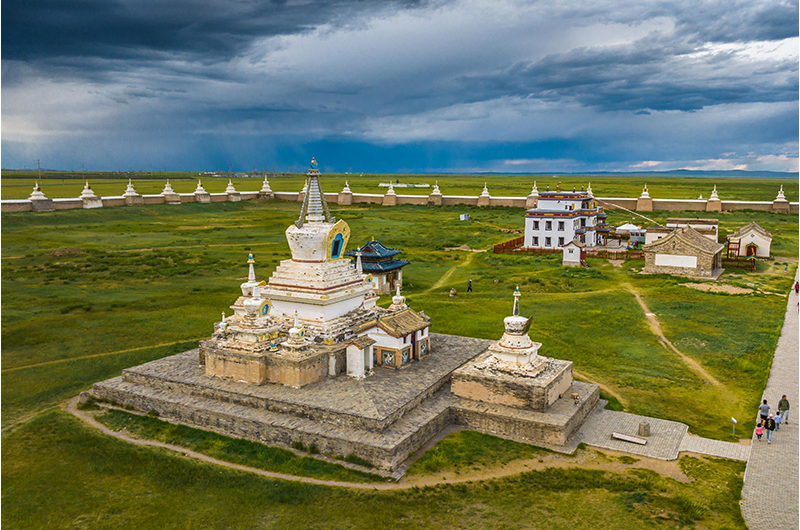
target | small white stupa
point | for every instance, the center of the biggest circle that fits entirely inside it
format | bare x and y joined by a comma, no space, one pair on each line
589,190
645,194
436,190
38,195
781,196
516,349
167,189
534,191
265,187
398,301
346,188
485,192
233,195
200,194
90,200
390,191
129,191
359,267
247,287
88,192
714,196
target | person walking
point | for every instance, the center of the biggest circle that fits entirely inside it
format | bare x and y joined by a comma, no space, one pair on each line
778,421
796,287
763,410
769,425
759,431
783,408
469,286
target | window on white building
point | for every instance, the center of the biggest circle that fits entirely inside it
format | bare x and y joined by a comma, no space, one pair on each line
583,221
548,225
560,241
547,241
535,242
536,225
561,226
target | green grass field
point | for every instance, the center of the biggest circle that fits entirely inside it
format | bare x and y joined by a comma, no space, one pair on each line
90,292
18,184
59,474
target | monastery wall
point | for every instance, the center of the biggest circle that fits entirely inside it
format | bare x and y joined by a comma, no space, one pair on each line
609,203
17,205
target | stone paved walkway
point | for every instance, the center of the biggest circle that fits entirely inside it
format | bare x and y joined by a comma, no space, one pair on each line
770,494
705,446
663,443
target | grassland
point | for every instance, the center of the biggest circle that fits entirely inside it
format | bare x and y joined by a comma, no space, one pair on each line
89,292
18,184
59,474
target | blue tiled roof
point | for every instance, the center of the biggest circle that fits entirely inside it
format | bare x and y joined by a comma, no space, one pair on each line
384,266
374,249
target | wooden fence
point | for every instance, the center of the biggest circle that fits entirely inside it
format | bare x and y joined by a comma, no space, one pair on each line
514,245
739,263
509,246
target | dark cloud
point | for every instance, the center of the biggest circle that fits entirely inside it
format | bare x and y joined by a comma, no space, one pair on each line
650,74
128,29
738,20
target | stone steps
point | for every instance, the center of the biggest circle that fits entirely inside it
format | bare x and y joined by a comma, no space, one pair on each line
386,450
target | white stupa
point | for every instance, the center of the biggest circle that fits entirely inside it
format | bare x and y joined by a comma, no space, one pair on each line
230,188
714,196
38,195
515,348
645,194
265,187
90,200
200,190
390,191
346,188
318,281
167,189
781,197
88,192
436,190
485,192
130,191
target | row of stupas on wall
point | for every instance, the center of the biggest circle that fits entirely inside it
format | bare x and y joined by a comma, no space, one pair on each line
316,317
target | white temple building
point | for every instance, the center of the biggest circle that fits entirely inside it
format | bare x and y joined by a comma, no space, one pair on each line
561,216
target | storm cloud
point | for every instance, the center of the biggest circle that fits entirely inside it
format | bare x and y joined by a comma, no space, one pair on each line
400,86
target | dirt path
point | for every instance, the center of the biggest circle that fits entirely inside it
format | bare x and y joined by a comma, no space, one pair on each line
605,388
655,327
446,276
586,459
57,361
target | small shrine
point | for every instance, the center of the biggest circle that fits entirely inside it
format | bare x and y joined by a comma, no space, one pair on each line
511,372
510,390
379,265
316,316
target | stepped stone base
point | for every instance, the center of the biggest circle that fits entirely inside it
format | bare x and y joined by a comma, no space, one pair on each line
383,418
512,389
555,426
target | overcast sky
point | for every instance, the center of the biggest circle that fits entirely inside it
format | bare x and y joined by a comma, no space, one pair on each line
400,86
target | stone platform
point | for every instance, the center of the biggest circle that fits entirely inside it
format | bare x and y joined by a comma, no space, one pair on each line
382,418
